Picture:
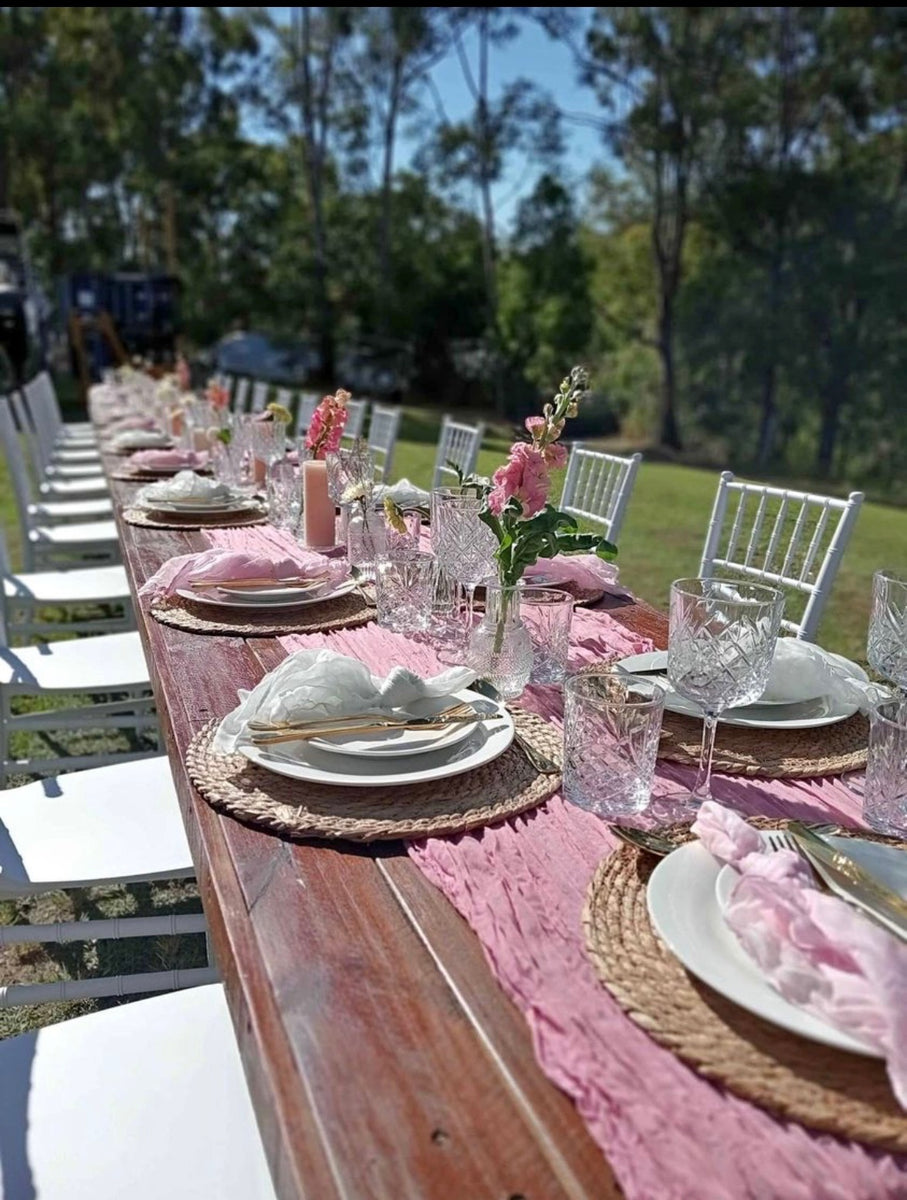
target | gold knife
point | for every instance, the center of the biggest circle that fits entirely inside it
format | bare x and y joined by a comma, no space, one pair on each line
851,881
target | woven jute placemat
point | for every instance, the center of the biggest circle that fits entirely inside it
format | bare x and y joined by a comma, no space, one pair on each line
770,753
147,520
503,788
831,1090
343,612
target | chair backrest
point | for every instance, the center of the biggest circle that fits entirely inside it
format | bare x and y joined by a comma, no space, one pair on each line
39,407
28,432
597,487
260,391
355,421
458,444
308,402
241,395
15,462
382,438
791,540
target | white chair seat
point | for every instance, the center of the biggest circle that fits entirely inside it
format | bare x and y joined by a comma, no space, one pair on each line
67,456
119,824
88,585
71,510
74,535
73,470
141,1101
74,489
110,663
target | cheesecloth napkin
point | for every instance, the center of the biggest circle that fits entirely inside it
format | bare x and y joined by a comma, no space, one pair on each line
185,485
803,671
140,439
313,684
814,949
222,564
403,493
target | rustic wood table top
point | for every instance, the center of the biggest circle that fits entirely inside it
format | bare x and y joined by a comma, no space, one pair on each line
383,1060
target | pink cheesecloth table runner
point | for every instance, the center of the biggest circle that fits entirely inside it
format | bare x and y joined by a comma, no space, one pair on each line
667,1133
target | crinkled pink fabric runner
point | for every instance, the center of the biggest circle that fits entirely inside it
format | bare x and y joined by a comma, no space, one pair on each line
667,1133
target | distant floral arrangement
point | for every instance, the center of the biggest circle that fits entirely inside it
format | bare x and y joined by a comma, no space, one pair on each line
217,395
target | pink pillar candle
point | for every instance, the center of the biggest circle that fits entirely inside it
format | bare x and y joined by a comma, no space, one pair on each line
317,505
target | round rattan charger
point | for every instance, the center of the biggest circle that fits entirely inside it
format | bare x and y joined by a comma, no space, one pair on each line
840,1093
503,788
147,520
341,612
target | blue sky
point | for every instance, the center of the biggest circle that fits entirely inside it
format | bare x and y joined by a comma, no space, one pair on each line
549,64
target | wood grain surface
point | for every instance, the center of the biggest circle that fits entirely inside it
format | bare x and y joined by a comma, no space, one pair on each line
383,1060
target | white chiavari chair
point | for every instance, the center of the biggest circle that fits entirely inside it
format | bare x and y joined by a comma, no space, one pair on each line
110,826
86,537
308,402
260,389
357,410
142,1100
598,486
80,670
791,540
29,601
241,395
65,482
382,439
459,444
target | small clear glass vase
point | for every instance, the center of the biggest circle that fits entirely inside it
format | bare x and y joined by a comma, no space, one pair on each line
365,540
500,648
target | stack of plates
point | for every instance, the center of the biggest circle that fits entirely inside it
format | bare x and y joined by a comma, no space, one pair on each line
686,896
805,713
396,757
264,598
220,507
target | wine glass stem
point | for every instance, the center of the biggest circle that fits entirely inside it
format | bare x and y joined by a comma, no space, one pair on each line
702,786
470,590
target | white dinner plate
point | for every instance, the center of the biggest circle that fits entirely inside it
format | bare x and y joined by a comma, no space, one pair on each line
294,598
398,743
684,911
266,592
206,507
308,763
772,714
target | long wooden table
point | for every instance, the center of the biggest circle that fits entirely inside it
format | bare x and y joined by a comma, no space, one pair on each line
383,1060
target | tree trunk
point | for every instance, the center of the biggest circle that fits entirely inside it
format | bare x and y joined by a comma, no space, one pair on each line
768,424
385,282
489,241
326,345
833,402
670,429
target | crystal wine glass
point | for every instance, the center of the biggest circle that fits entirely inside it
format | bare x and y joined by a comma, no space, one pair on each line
887,642
721,642
269,441
465,546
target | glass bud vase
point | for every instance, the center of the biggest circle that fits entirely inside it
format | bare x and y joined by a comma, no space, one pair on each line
500,648
365,540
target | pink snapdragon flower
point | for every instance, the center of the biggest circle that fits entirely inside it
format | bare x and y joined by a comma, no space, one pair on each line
524,477
217,395
327,424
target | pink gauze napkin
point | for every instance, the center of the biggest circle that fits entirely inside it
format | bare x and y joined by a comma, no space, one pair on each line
162,460
813,948
583,570
222,564
121,424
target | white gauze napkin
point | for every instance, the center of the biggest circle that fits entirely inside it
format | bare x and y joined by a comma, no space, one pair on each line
313,684
140,439
403,493
185,485
803,671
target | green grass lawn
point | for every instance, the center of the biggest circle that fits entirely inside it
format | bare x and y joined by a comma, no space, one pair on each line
662,540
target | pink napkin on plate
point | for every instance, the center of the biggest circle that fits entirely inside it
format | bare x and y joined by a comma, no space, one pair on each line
219,563
584,570
121,424
165,460
813,948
